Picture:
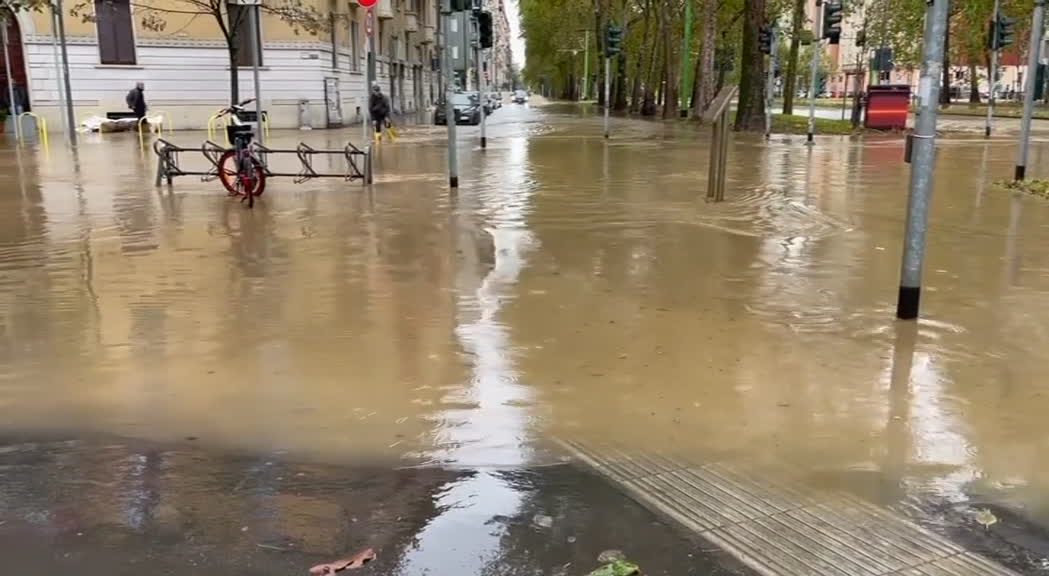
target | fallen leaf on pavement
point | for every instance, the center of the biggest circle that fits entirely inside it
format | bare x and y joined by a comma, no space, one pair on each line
357,561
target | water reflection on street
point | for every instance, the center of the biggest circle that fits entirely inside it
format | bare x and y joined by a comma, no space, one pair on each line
572,288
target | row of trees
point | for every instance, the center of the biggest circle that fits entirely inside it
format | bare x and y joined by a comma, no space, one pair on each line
724,47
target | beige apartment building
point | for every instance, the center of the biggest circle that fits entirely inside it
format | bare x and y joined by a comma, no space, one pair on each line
316,79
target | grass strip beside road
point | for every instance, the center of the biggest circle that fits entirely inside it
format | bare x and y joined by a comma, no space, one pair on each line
783,124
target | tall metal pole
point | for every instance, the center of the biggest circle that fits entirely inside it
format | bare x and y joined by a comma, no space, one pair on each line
686,66
256,57
608,104
993,76
10,82
70,117
817,32
923,155
449,91
770,85
482,97
1033,49
370,75
58,69
586,64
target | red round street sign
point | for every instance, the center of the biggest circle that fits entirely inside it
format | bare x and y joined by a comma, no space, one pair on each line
367,3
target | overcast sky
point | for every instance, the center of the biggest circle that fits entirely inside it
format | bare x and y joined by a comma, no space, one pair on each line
517,45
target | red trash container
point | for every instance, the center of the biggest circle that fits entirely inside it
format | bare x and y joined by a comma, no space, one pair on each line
888,106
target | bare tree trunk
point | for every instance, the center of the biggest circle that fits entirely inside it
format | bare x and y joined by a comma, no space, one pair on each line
234,74
649,102
635,92
789,87
705,87
974,83
750,111
670,87
599,39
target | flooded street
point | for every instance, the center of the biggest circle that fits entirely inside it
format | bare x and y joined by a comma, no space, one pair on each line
573,289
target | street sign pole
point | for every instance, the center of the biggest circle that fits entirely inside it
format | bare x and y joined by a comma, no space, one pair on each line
482,83
1034,48
608,104
992,77
70,117
817,33
369,72
449,91
770,88
923,155
256,47
10,83
586,64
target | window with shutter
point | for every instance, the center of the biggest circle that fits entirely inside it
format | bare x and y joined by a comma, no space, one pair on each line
240,26
116,32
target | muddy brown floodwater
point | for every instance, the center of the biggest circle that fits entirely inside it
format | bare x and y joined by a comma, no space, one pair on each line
573,288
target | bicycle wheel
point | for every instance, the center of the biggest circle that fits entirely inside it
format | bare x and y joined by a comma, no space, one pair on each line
251,182
227,170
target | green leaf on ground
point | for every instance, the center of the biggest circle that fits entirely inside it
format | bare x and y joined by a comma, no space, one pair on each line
617,568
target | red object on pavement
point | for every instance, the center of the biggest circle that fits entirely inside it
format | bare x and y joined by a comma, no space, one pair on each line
888,106
357,561
367,3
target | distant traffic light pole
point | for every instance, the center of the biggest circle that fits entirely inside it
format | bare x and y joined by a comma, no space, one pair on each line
1034,48
923,156
613,40
449,91
767,44
484,41
993,71
814,69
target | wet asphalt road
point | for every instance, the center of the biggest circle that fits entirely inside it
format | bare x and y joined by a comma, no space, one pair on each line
111,507
573,288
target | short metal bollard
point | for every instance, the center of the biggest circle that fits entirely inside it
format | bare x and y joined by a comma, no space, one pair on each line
718,113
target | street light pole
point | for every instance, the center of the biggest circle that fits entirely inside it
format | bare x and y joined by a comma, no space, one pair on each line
770,87
993,73
70,117
923,156
256,48
586,65
1034,47
608,68
449,91
817,32
10,83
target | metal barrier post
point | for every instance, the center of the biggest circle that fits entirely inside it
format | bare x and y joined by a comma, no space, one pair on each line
718,113
162,165
367,165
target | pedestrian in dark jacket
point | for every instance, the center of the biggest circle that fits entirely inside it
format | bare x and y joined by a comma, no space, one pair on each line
378,109
136,100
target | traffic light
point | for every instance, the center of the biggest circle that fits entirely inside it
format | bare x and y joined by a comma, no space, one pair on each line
1006,31
765,40
832,21
613,40
484,25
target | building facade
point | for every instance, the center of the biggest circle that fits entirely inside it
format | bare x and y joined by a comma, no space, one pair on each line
315,78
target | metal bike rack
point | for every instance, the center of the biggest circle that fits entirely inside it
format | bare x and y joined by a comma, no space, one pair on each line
718,113
358,162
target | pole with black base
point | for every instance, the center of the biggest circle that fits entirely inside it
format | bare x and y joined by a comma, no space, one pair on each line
923,155
817,33
449,91
1032,65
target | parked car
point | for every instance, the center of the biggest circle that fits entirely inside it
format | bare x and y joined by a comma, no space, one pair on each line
467,109
520,97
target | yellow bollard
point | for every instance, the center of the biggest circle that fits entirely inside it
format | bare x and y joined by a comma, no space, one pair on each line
41,128
217,120
266,125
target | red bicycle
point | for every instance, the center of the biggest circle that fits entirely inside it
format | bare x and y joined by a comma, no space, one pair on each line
242,172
